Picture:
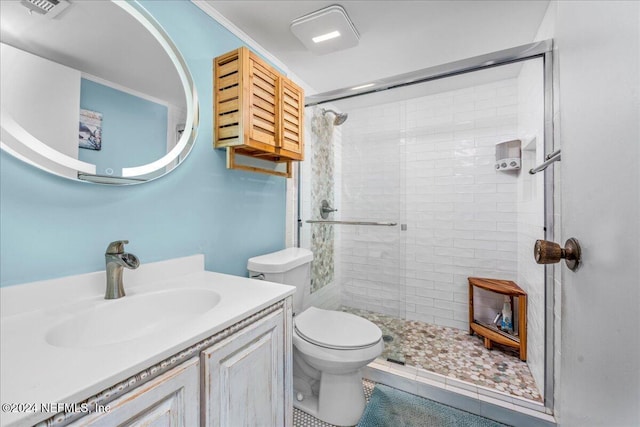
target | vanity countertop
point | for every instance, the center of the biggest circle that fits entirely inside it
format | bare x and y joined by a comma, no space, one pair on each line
35,372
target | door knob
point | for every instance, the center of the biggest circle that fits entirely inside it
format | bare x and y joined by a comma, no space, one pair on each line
546,252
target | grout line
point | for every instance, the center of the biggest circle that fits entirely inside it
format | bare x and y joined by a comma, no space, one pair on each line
496,394
528,403
433,376
464,385
497,402
430,382
464,392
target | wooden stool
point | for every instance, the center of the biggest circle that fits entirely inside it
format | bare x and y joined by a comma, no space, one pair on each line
491,333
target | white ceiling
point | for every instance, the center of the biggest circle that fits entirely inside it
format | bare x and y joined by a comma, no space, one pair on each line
395,36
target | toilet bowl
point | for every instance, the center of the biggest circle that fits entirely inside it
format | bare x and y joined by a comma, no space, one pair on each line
330,347
337,346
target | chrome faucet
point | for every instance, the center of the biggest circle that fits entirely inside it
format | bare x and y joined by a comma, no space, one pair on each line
116,259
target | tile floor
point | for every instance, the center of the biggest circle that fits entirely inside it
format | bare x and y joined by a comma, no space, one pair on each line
455,354
302,419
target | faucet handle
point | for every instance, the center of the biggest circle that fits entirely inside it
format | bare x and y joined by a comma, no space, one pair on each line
116,247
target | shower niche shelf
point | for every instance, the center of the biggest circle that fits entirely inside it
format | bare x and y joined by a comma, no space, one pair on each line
258,114
491,333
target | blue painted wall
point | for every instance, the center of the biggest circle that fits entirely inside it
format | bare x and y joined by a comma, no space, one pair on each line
52,227
122,113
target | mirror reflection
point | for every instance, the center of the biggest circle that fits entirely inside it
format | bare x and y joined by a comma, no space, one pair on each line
93,90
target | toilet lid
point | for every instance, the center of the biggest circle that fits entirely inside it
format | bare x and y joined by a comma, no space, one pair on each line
336,329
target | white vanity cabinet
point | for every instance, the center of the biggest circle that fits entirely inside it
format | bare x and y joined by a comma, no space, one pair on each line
228,363
169,400
243,377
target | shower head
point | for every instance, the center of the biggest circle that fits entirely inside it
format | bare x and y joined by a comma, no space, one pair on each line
340,117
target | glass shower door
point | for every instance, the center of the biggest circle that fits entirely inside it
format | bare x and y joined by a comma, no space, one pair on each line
353,169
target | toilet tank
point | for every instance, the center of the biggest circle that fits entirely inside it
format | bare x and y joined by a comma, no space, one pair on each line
291,266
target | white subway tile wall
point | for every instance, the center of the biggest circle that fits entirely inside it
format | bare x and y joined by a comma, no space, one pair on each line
428,162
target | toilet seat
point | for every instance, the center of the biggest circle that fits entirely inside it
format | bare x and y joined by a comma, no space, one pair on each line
336,330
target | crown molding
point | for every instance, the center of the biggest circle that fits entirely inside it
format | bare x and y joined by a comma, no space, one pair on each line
208,8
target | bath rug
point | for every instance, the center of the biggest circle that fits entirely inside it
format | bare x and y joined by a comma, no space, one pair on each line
389,407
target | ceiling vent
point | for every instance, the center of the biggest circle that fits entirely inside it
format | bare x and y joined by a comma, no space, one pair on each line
326,30
50,8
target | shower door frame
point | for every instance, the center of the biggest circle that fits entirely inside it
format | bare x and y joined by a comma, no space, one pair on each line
543,50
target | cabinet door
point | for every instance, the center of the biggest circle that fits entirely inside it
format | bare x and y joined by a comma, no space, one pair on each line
227,84
243,381
292,119
170,400
263,108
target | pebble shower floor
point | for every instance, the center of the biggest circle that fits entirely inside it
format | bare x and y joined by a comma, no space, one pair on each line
454,353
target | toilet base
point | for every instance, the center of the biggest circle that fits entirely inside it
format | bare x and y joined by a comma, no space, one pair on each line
340,402
309,405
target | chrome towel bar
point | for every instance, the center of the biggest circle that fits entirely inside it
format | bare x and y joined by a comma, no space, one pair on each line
553,157
384,224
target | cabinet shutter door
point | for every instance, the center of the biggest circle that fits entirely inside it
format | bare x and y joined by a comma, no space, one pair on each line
227,111
263,110
292,114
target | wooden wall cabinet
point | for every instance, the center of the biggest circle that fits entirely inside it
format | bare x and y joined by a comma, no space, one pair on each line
257,112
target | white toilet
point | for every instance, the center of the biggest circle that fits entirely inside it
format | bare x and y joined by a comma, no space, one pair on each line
329,347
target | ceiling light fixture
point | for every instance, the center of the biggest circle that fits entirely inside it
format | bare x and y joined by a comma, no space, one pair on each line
325,37
326,30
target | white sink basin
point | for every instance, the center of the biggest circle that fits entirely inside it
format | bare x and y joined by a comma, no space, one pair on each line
131,317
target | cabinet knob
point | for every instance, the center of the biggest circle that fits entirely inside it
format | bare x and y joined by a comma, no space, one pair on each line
546,252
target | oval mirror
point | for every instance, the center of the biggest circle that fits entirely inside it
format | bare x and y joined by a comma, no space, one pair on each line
93,91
